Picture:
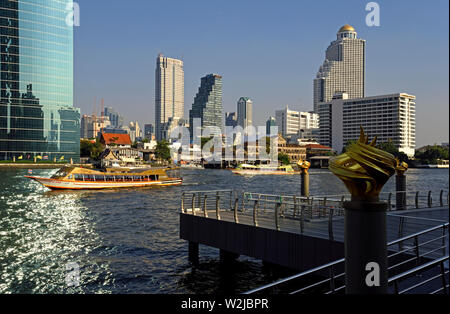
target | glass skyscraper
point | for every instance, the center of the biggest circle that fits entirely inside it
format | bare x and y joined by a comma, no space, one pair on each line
207,104
37,117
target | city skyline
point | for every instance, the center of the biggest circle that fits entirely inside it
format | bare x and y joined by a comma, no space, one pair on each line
256,70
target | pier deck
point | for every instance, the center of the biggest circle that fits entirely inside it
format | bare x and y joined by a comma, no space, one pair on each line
297,233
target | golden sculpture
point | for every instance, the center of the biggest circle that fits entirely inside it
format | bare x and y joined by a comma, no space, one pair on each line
303,165
400,167
364,169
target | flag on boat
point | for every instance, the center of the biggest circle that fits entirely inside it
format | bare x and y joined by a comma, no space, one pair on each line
62,158
20,157
39,157
30,171
45,157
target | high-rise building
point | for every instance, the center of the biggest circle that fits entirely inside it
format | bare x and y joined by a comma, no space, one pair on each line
244,112
343,69
169,91
115,118
207,104
270,124
231,119
149,130
389,117
37,116
291,122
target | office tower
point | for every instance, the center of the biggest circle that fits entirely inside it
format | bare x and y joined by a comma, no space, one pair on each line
169,91
270,124
389,117
36,82
343,69
149,131
231,119
291,122
244,112
115,118
135,131
207,104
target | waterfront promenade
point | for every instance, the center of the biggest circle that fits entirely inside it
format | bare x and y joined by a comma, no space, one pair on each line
303,233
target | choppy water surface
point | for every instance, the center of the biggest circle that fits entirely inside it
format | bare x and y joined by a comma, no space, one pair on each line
127,240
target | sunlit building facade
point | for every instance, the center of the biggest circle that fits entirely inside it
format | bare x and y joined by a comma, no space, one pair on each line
37,117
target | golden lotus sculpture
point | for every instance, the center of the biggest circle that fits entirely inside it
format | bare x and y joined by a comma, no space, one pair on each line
303,165
363,168
400,167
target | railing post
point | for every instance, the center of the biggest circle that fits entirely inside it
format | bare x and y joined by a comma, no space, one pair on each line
330,224
416,249
243,202
193,203
444,284
182,202
324,210
441,198
231,199
302,219
277,208
255,213
205,211
236,203
400,232
199,201
295,205
417,199
430,200
218,206
311,203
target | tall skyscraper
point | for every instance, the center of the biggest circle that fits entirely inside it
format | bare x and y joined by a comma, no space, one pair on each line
231,119
270,126
343,69
244,112
169,91
115,118
207,104
37,116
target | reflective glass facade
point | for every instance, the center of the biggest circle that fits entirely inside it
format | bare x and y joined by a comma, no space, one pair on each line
37,117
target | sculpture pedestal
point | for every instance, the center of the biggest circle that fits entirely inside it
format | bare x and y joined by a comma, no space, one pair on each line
365,245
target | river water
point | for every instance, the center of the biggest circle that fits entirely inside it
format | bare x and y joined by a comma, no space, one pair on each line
127,240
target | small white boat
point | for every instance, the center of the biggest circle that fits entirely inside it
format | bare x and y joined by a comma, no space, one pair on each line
245,169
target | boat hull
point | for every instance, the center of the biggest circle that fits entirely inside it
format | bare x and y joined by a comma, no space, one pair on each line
56,184
263,172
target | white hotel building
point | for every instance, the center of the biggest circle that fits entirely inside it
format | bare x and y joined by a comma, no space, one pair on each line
290,122
390,117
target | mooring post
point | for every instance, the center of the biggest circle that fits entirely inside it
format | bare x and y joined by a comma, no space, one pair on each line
400,189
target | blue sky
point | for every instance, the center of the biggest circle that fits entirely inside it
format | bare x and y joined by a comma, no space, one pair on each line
269,51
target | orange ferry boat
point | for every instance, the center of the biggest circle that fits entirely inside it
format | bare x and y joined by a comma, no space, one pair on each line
83,178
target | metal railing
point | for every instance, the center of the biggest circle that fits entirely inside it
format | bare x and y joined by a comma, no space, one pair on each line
320,216
405,266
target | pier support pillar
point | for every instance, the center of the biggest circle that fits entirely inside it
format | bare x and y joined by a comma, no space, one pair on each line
227,258
400,188
193,252
365,247
304,177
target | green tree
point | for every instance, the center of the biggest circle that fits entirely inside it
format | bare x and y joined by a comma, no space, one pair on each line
89,149
431,154
284,159
162,150
347,145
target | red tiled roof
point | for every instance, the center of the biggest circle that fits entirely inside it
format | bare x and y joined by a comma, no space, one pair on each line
116,138
317,146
